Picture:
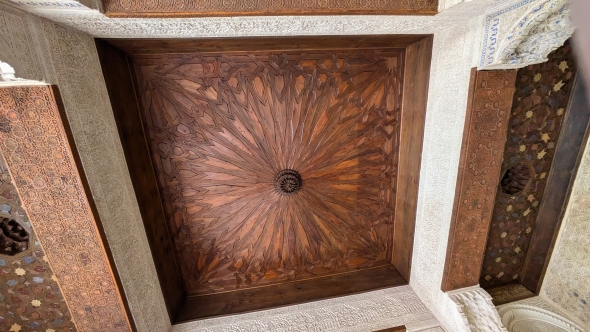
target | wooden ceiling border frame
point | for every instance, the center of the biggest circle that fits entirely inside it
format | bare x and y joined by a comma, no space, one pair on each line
489,106
41,157
117,59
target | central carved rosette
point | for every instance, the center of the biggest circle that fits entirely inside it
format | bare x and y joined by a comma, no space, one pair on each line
288,182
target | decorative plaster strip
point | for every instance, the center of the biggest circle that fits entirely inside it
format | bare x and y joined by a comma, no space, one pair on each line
363,312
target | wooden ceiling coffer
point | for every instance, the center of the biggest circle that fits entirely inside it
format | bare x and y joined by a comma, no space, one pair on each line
272,171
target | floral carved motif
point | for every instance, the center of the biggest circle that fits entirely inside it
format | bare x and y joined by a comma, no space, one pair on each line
40,158
151,8
481,158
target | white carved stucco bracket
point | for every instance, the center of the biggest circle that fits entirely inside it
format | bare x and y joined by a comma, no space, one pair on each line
477,310
543,27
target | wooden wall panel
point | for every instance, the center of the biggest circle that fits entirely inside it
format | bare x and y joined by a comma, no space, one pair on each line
38,150
221,127
192,8
488,112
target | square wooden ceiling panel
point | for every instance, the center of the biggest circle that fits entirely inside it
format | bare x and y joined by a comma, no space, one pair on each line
275,167
272,171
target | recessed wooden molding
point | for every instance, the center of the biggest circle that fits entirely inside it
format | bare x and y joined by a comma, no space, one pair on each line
41,157
193,8
486,122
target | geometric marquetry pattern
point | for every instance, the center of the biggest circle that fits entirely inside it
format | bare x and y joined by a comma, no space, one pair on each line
538,109
34,142
221,127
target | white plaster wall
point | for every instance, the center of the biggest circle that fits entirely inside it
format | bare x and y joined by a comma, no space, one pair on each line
447,101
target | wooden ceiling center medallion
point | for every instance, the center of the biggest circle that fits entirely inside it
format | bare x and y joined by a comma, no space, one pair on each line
288,182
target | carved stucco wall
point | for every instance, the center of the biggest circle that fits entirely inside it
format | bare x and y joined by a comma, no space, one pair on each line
67,58
42,50
567,281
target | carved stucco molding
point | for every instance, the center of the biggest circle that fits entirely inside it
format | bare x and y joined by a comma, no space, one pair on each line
542,27
535,314
476,309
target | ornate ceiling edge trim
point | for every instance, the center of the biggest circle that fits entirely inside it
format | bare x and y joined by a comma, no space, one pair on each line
527,312
86,16
43,162
367,311
486,123
543,27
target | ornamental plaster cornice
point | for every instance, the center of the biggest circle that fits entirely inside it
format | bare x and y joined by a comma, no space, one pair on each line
86,16
526,315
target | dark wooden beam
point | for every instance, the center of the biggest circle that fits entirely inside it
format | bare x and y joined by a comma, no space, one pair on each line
486,123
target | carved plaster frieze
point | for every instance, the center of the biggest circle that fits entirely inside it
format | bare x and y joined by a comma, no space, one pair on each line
535,315
542,27
477,310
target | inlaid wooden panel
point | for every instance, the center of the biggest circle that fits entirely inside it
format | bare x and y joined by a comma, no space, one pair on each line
222,126
188,8
536,171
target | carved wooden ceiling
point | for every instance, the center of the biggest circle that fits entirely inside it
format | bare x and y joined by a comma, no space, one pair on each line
276,166
545,134
188,8
224,128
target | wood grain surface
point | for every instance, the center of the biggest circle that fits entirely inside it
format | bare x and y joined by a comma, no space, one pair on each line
220,128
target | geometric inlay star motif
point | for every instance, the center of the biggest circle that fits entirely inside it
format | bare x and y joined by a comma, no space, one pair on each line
221,127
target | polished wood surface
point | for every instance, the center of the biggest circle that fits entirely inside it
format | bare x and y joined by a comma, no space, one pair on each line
415,96
157,47
221,123
569,150
221,127
486,123
252,299
192,8
120,85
